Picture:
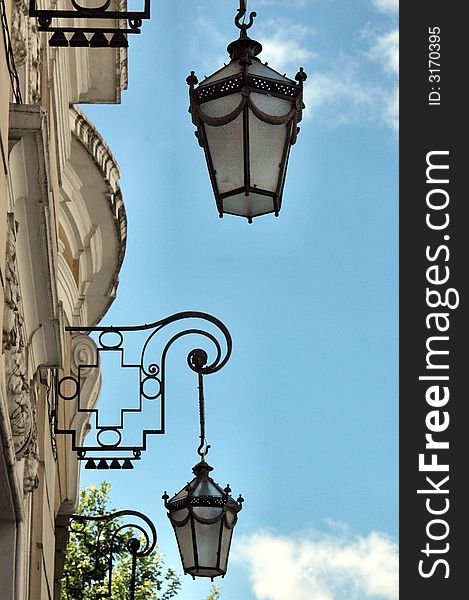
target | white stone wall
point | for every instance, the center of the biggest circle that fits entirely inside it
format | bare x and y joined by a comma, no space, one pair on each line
55,229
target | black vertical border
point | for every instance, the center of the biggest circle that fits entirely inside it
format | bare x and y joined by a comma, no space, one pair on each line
425,128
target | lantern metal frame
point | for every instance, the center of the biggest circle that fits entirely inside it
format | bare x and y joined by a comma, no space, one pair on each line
245,50
103,554
52,20
152,378
190,502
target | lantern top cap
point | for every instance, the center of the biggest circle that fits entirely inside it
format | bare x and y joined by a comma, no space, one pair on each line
244,47
201,468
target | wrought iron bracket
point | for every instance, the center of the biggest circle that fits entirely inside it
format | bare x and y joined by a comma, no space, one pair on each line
88,26
114,534
105,446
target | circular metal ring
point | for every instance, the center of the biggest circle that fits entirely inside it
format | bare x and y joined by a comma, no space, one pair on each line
106,430
66,396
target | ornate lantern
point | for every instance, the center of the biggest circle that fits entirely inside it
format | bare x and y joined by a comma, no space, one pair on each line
203,516
202,513
94,23
247,117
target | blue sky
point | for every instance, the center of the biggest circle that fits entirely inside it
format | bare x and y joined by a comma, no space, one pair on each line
303,419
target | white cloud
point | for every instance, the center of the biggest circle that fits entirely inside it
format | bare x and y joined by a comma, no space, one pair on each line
346,90
284,44
385,51
390,6
343,95
339,97
320,566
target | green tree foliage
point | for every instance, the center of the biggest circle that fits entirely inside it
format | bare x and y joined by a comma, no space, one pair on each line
85,579
86,575
214,592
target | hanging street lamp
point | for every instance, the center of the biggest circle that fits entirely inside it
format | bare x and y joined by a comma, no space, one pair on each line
247,116
203,514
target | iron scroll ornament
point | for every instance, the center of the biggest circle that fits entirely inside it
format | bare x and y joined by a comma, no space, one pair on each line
151,375
110,540
92,20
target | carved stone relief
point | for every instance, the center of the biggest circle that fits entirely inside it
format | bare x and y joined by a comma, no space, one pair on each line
21,393
31,454
26,49
19,32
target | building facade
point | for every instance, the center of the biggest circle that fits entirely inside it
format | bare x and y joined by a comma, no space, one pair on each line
62,242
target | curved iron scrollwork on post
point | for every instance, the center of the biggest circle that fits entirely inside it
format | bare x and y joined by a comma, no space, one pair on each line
108,448
112,535
85,14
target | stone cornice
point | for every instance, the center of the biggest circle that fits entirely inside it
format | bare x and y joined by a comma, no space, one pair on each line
89,137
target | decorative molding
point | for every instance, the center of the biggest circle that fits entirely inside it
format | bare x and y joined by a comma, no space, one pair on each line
21,395
31,455
92,141
11,317
36,246
27,49
19,31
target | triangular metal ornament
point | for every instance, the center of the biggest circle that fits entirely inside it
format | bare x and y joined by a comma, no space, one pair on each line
58,39
118,40
79,40
99,40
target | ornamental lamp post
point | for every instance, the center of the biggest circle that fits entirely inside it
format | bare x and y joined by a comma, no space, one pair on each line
247,116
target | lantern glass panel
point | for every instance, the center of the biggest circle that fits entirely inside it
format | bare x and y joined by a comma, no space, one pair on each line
207,512
259,68
225,145
273,106
266,149
233,68
208,537
180,515
185,543
206,488
248,206
225,547
221,106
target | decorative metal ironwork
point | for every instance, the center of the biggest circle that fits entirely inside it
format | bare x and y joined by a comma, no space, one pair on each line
108,449
93,19
113,535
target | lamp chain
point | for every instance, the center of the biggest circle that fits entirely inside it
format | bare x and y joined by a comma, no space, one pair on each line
203,447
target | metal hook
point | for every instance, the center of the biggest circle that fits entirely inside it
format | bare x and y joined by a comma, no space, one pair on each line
242,15
203,453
